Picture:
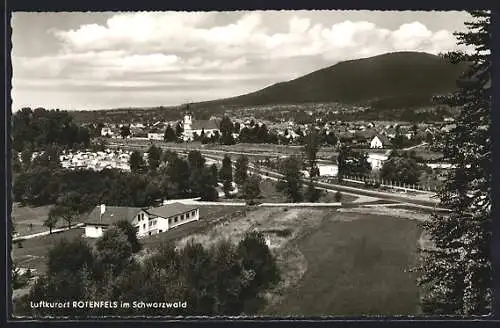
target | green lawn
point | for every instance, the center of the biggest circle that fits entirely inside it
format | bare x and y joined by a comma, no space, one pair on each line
29,220
356,267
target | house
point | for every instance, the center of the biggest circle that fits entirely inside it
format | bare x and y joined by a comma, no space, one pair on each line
328,170
190,126
107,132
102,217
155,136
146,221
160,219
377,160
380,141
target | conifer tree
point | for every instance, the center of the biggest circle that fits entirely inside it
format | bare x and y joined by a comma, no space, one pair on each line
456,272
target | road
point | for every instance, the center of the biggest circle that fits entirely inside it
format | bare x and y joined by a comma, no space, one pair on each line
194,201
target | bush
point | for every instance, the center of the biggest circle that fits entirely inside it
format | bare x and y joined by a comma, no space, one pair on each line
338,196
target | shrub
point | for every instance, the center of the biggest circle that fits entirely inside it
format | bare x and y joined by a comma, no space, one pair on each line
338,196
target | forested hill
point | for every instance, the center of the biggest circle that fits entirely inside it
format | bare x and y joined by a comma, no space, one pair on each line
400,79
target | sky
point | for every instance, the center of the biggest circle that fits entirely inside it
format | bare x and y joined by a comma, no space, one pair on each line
87,61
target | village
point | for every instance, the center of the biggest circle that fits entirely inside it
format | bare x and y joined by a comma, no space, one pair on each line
249,164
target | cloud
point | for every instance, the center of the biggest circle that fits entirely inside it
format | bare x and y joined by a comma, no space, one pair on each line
165,48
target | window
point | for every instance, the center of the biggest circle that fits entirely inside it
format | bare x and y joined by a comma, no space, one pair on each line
176,218
169,221
160,230
193,213
188,215
144,226
149,233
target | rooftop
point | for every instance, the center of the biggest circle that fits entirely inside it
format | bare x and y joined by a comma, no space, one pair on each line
112,214
170,210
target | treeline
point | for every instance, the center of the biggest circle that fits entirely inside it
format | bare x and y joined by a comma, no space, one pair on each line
223,279
163,176
382,113
35,129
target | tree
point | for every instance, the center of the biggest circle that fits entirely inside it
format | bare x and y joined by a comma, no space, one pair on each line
457,271
113,251
402,168
67,213
178,172
26,156
205,185
228,279
331,139
129,230
311,147
251,188
70,256
226,175
352,163
291,183
241,170
257,260
196,160
226,129
125,131
170,134
399,140
179,130
154,157
51,220
136,162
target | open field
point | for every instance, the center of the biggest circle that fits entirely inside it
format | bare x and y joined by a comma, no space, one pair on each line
29,220
356,265
333,261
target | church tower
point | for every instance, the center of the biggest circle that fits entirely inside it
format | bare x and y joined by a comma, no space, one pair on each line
188,124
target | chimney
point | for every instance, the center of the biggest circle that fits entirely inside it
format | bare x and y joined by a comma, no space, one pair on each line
103,208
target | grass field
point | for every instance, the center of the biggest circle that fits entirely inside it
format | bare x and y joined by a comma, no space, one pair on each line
29,220
356,266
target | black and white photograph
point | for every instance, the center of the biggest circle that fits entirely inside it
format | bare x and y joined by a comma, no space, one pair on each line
258,163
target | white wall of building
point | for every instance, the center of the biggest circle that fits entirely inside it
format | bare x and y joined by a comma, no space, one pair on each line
328,170
92,231
376,143
376,160
147,225
155,136
178,220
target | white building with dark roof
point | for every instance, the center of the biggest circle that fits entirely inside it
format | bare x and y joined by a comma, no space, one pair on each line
147,222
192,127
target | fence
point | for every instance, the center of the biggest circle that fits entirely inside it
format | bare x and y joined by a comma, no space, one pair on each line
390,184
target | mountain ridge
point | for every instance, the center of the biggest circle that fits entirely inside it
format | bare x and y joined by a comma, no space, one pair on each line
395,77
